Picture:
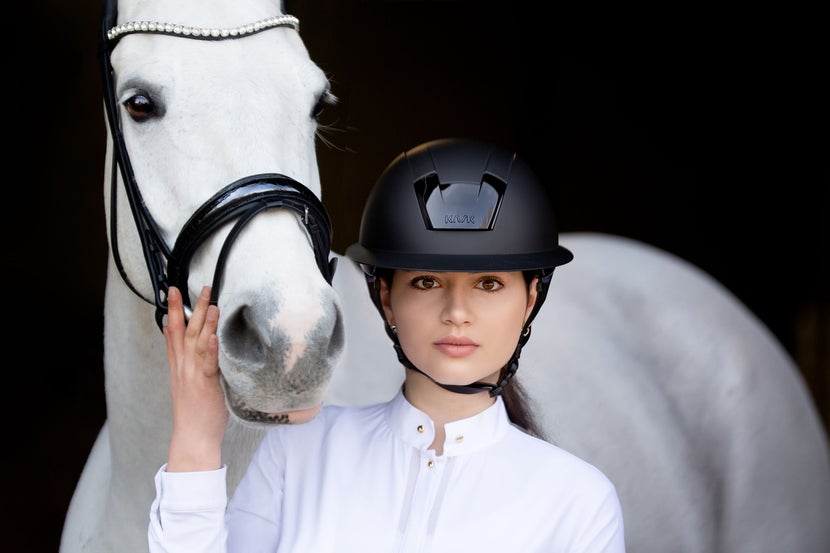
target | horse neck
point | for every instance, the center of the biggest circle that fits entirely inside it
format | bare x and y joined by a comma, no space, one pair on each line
136,381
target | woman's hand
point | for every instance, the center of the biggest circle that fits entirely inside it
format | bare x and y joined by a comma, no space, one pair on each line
199,412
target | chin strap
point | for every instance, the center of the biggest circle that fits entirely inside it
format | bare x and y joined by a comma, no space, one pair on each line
507,372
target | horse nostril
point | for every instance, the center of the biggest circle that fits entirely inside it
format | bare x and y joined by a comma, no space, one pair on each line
242,339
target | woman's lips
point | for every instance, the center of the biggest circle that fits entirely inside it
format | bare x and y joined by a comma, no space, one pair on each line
456,346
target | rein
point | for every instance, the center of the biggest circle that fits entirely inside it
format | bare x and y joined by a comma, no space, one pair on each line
243,199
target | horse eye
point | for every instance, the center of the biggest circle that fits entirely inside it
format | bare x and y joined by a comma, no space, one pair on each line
140,107
325,99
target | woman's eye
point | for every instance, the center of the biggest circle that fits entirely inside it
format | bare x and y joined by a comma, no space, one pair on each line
424,283
489,284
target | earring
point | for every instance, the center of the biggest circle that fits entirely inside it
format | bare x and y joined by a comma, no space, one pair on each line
394,329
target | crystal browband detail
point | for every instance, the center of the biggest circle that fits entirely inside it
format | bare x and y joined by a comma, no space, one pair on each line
204,33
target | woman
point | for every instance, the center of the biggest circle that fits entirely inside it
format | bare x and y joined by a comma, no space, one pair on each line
459,244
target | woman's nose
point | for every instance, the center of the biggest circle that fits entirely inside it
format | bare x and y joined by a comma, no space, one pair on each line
457,307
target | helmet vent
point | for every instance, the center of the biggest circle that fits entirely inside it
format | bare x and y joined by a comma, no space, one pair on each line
459,205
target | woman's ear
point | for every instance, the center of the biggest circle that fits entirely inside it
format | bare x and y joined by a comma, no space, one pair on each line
532,295
386,302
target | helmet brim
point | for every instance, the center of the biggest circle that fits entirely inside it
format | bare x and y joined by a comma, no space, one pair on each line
465,263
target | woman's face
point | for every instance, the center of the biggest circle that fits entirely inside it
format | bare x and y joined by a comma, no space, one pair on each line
458,327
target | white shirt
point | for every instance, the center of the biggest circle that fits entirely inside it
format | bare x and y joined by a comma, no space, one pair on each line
361,479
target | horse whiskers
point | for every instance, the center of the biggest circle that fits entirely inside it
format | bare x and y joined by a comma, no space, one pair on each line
321,131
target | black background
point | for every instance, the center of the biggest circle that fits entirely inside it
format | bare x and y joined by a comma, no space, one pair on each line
698,130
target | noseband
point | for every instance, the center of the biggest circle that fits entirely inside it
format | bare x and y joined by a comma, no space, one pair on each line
240,200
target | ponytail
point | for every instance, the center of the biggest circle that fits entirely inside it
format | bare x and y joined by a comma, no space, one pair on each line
519,409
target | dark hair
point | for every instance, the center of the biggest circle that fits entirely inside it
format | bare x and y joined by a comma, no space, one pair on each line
516,400
520,409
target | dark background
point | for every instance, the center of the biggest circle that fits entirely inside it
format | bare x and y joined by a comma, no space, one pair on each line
703,132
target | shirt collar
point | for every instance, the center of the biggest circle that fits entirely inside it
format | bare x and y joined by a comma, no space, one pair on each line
465,436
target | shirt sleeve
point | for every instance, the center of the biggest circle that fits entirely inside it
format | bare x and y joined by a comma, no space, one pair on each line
606,533
188,512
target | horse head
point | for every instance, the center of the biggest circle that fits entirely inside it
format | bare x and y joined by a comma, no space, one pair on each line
203,197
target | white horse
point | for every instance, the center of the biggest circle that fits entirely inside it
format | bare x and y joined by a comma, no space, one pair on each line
216,123
639,362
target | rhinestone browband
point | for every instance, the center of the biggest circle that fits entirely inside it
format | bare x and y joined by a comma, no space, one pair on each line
202,32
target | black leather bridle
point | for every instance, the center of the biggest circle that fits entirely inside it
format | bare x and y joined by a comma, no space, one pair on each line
241,200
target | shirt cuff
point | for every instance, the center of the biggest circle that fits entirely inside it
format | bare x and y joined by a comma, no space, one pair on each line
189,491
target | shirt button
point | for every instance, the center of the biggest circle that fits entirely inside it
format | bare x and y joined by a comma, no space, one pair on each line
420,429
459,438
430,464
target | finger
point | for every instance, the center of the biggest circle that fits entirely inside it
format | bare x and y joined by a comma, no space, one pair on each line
211,323
174,329
209,342
175,310
197,319
202,340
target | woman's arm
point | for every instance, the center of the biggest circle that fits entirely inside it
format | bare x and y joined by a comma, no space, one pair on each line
188,513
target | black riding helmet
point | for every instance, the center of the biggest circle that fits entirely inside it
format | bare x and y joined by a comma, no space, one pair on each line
459,205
